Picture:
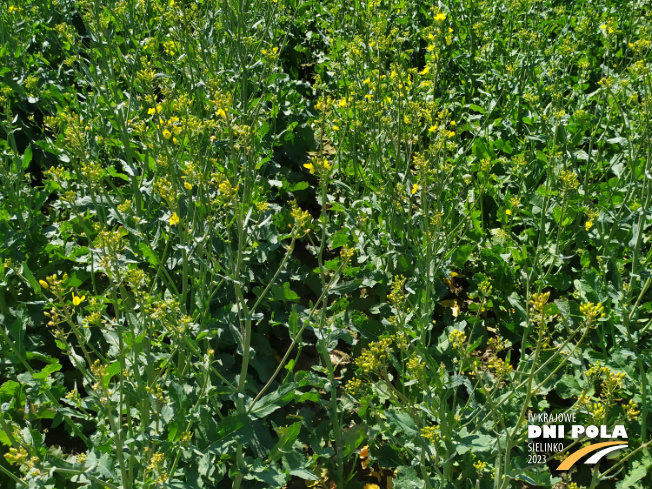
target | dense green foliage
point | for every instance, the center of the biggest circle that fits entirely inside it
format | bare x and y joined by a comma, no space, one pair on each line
251,244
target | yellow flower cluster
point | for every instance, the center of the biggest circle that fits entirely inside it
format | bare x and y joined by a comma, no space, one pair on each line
16,455
597,411
416,368
431,433
568,180
631,410
76,300
539,301
57,285
485,287
496,344
156,461
371,359
227,190
457,339
174,219
612,382
500,367
170,47
397,296
270,53
591,215
321,166
171,127
301,217
353,386
347,253
591,311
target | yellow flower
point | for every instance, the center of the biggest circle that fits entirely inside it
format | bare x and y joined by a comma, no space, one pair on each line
310,167
508,212
366,82
342,102
603,26
415,188
364,452
188,186
440,17
167,134
371,486
159,109
588,225
425,71
221,113
76,300
336,128
43,284
327,165
151,111
174,219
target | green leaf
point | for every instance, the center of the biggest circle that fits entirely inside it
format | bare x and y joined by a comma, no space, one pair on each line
30,278
346,287
340,238
271,402
8,390
407,478
47,370
567,387
297,186
477,108
288,293
462,255
287,436
4,440
352,438
403,422
112,171
631,480
269,474
387,456
148,254
296,462
27,157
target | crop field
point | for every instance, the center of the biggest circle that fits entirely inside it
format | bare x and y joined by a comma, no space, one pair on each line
325,244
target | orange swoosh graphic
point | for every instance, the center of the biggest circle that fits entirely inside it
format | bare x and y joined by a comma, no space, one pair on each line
575,456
